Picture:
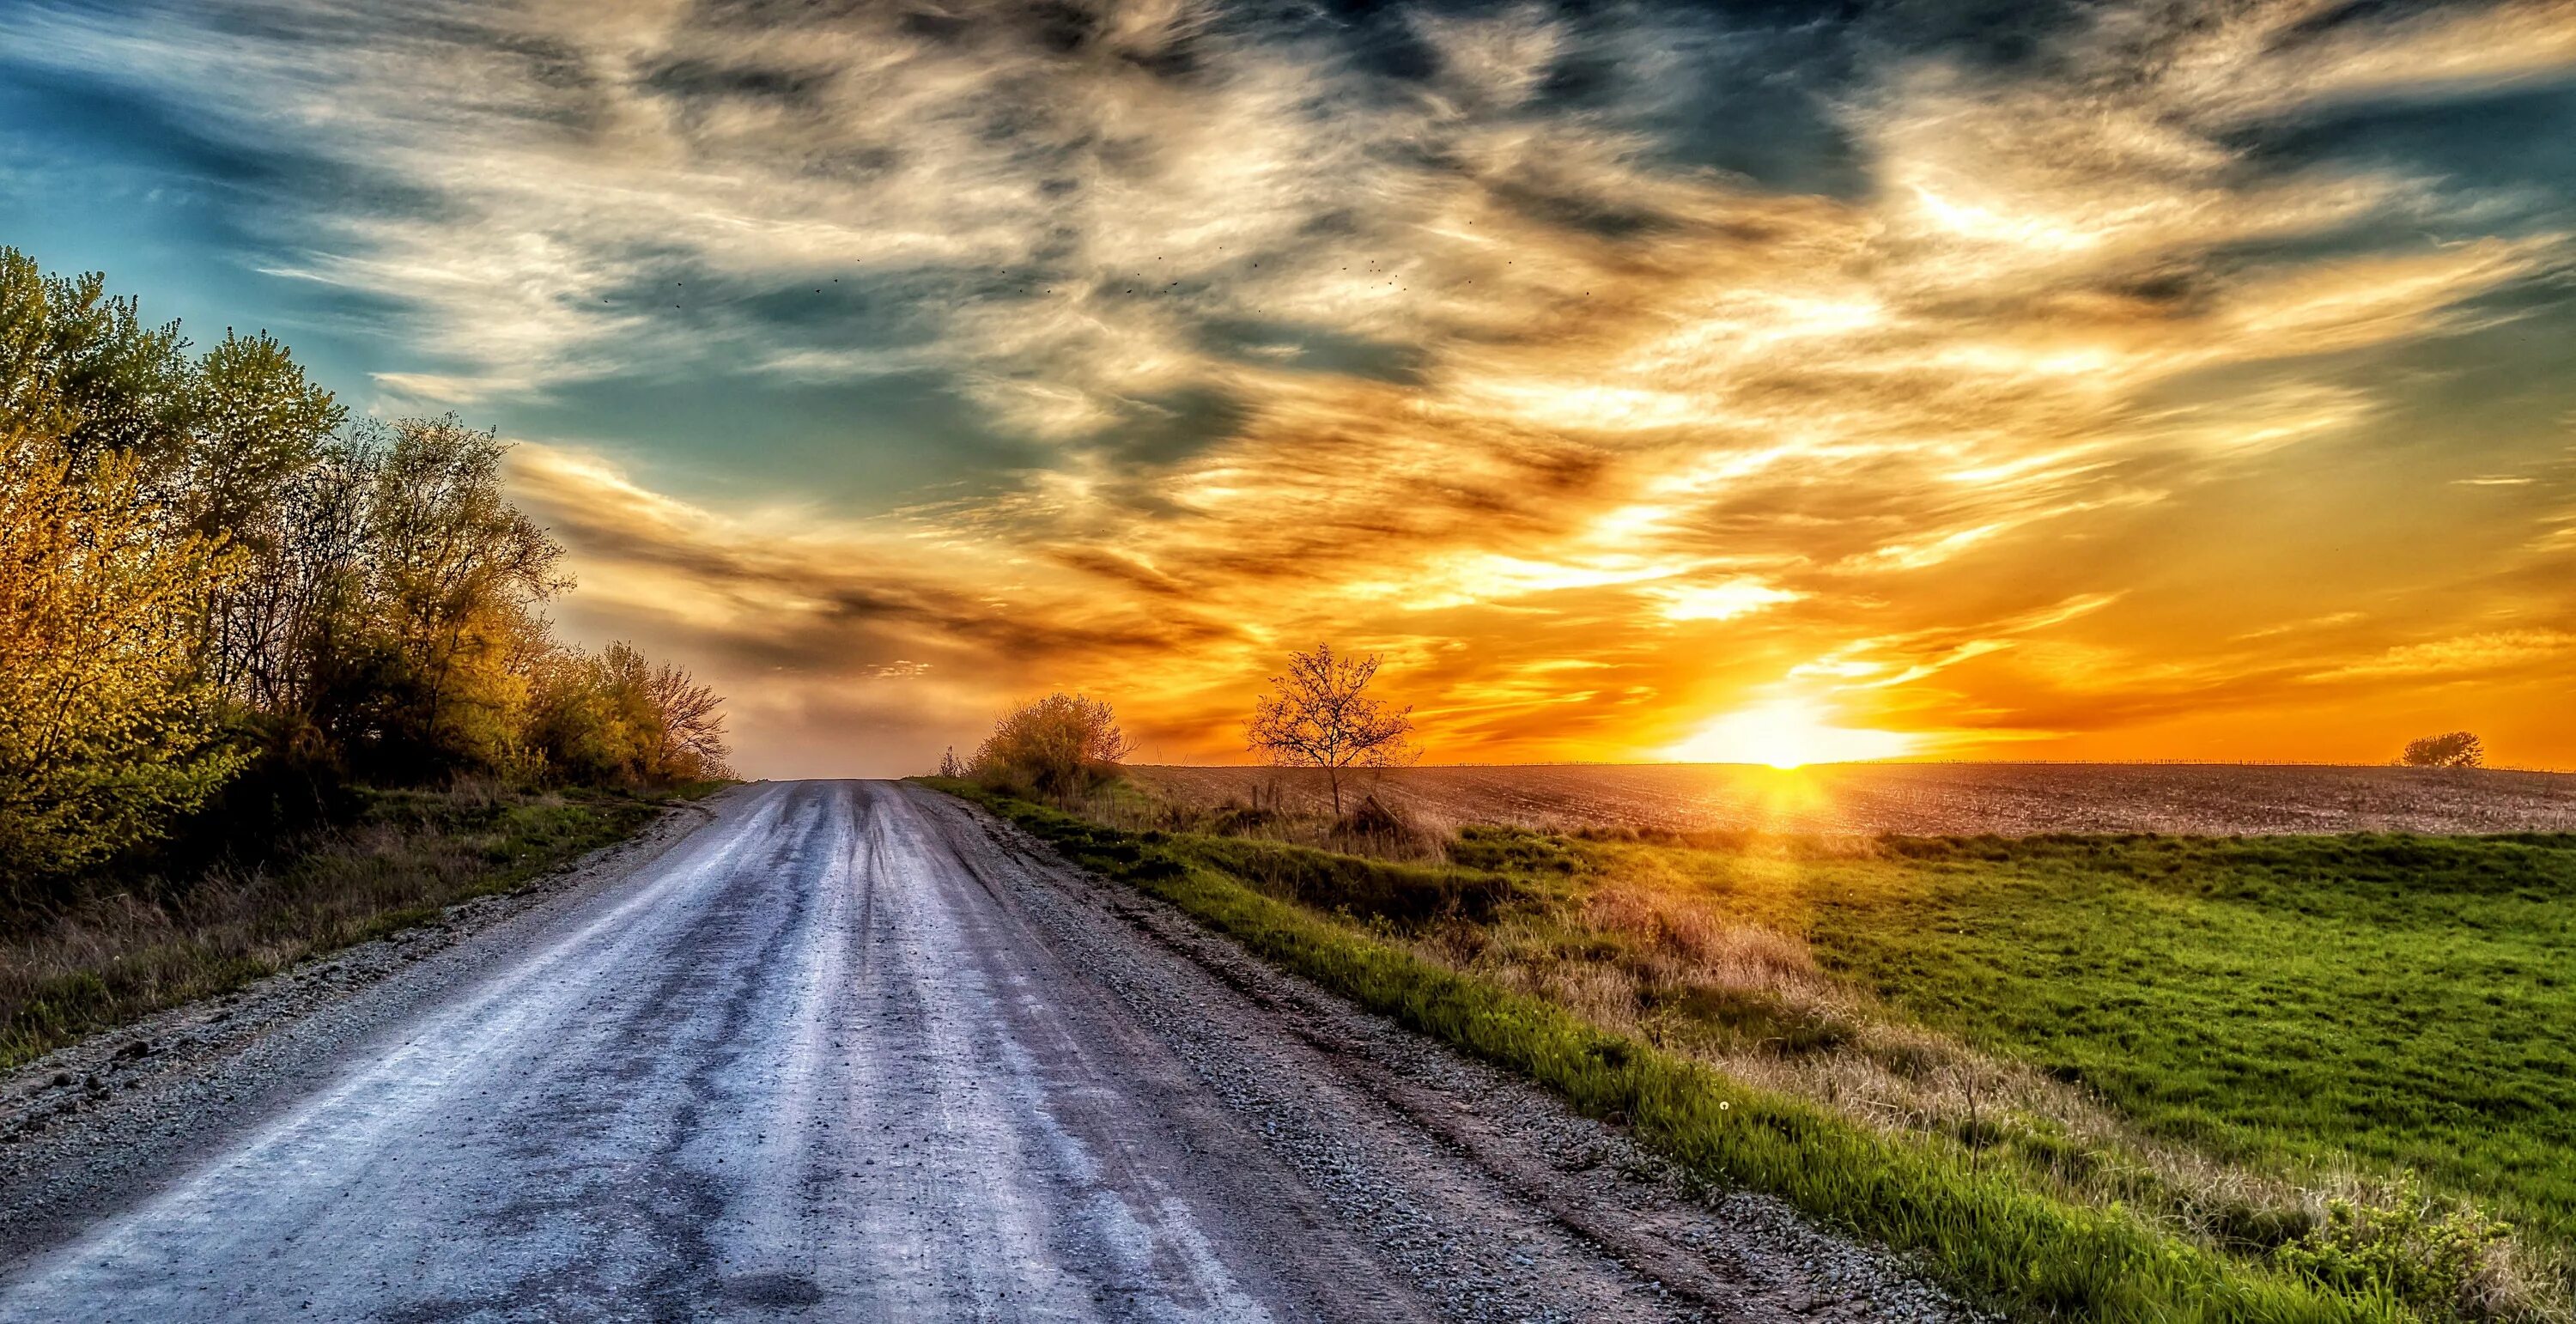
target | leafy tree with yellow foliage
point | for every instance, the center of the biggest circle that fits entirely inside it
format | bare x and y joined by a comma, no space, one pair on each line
616,717
107,730
203,569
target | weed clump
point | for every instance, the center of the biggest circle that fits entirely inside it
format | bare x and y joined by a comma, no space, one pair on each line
2444,1259
1408,895
1479,846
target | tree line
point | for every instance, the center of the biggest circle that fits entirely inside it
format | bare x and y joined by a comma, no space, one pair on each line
220,594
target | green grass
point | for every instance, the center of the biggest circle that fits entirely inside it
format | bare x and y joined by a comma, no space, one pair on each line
406,855
1980,1228
2406,1003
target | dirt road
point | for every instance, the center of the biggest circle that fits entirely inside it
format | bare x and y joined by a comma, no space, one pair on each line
855,1051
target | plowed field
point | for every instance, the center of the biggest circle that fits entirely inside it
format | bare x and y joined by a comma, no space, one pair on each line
2010,799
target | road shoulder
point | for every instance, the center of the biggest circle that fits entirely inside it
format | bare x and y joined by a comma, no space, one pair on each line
86,1129
1482,1188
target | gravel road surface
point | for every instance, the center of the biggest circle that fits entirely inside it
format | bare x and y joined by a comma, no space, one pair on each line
847,1050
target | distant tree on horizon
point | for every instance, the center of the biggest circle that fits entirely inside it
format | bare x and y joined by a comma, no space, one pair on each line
1319,714
2458,749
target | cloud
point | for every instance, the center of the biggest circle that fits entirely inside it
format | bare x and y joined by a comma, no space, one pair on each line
1462,352
2325,622
1722,601
2461,655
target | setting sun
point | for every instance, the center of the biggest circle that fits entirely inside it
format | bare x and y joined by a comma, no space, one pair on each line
1788,733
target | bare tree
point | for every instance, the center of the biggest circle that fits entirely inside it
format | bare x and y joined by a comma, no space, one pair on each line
2459,749
690,732
1319,714
277,632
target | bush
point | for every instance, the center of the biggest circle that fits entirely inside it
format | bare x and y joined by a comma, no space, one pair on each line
2459,749
2434,1256
1061,745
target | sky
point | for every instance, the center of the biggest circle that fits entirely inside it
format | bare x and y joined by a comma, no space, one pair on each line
1933,379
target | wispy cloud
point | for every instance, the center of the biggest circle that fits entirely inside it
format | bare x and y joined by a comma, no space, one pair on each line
1433,331
2466,654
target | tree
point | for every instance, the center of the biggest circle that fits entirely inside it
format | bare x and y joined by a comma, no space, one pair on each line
456,572
203,571
688,733
107,731
86,370
254,424
617,717
284,637
579,728
1055,746
1319,714
2459,749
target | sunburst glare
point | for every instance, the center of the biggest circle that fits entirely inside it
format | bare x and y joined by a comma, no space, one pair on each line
1789,733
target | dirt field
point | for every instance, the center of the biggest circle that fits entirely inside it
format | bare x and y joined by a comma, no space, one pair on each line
2010,799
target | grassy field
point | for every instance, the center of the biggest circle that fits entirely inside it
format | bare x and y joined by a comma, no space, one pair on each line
2408,1003
407,854
2326,1062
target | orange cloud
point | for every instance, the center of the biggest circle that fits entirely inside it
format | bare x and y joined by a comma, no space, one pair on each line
2043,436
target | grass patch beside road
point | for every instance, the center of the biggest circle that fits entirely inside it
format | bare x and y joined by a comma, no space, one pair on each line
2346,1053
1985,1228
2400,1003
115,959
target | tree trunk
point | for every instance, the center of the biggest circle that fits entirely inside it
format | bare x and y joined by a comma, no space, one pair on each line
1333,779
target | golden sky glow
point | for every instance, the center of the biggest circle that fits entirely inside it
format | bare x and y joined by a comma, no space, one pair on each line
2190,381
1788,733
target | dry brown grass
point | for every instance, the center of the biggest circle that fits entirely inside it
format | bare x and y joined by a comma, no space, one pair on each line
113,958
1262,813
